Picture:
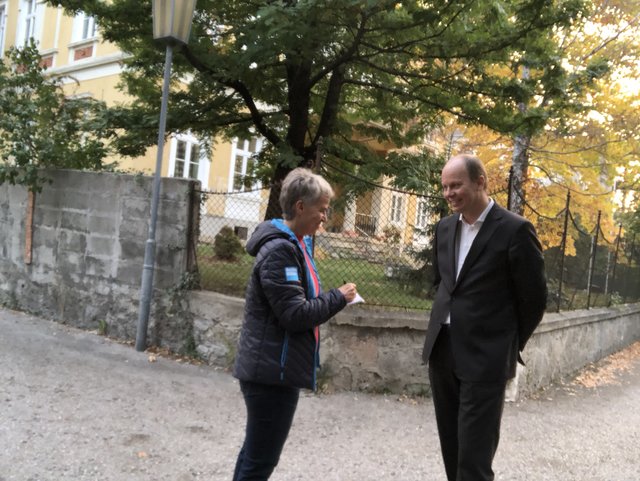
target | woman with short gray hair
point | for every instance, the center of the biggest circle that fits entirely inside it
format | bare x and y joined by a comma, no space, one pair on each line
278,349
302,184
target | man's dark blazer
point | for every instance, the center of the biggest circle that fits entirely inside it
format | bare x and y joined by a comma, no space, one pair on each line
497,300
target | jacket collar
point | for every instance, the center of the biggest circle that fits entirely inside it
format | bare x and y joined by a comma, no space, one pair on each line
280,224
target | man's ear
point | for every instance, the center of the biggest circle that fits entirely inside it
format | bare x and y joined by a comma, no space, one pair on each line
482,182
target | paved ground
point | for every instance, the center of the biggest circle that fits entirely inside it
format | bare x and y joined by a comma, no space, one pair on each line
79,407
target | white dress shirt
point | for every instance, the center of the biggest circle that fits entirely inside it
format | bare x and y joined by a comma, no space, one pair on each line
466,235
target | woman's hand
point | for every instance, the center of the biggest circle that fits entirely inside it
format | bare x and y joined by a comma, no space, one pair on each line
348,291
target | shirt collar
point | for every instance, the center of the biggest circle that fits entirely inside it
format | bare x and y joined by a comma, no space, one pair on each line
482,216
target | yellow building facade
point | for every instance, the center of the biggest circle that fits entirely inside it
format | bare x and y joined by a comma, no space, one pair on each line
71,48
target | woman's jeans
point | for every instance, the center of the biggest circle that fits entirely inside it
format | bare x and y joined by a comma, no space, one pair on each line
270,411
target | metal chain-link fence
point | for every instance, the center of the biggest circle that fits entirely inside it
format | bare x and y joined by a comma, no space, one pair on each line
381,242
377,242
586,267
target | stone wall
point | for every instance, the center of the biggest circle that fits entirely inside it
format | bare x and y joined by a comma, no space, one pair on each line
380,351
369,349
567,341
89,233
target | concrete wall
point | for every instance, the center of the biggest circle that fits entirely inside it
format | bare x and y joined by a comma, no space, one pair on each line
373,350
89,233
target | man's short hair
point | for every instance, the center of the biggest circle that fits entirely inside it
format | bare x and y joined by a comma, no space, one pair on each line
475,168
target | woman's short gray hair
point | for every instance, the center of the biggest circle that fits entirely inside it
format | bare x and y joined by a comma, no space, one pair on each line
302,184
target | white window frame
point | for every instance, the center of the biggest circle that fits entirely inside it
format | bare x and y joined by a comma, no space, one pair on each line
30,21
422,213
4,5
81,22
396,212
89,27
202,170
240,149
79,40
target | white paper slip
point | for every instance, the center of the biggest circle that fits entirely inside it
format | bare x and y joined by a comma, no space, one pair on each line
356,299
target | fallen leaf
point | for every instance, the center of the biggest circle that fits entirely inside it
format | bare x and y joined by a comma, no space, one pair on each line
608,370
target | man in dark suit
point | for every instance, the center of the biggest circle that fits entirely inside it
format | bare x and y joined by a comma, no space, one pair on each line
491,295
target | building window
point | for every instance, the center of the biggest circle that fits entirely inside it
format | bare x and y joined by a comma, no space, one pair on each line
243,158
84,27
3,25
421,213
396,208
186,159
83,37
88,26
30,8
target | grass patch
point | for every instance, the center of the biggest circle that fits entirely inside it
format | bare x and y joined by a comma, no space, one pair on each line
373,285
224,276
231,278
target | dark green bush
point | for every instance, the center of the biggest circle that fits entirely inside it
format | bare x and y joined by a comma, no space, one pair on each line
226,245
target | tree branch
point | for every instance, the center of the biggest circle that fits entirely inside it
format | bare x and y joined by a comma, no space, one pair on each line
241,89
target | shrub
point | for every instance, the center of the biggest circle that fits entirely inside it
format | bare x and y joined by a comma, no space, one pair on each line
392,234
226,245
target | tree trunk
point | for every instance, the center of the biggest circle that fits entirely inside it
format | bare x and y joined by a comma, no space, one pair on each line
308,160
520,163
299,98
274,211
520,172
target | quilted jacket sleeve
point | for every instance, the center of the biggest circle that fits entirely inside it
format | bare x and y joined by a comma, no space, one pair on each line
284,290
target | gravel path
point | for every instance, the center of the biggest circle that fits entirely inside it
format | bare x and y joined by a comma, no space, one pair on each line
75,406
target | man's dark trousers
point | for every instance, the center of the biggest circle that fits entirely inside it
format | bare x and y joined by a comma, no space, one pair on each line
468,415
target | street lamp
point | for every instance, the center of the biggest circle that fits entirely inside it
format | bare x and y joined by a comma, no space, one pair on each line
172,25
172,20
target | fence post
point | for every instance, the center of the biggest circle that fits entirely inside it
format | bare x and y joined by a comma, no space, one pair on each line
193,228
630,268
509,187
615,262
592,259
317,166
606,275
563,247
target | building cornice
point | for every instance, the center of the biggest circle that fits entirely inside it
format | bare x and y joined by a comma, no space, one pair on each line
95,64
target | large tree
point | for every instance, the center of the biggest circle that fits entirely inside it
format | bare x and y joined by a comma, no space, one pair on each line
594,146
597,51
342,72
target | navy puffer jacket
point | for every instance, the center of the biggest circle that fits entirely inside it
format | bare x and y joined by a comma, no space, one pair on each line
277,344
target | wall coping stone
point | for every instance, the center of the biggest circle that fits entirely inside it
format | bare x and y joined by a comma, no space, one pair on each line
207,296
377,317
561,320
